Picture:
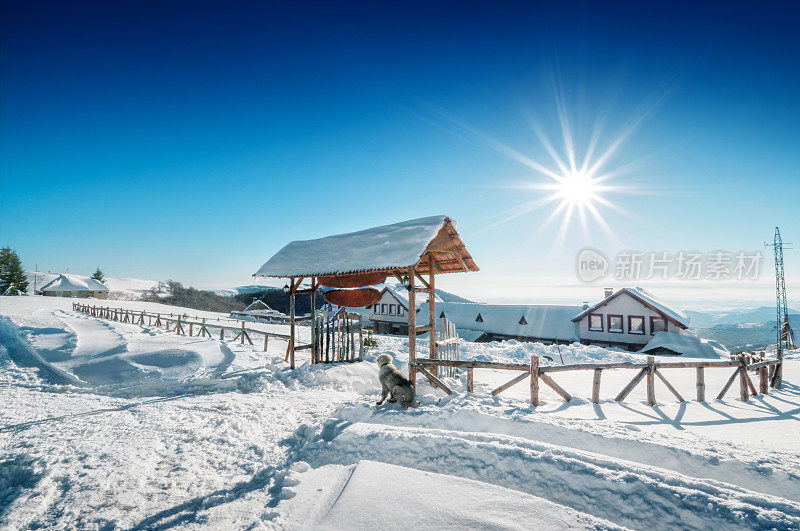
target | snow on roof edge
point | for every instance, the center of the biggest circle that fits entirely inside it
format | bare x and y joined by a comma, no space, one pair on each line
394,246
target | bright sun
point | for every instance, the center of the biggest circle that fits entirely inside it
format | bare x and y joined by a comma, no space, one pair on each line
576,188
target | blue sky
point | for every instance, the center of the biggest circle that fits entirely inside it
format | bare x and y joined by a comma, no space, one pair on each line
191,141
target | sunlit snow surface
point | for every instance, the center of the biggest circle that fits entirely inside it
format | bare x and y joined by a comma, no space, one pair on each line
105,424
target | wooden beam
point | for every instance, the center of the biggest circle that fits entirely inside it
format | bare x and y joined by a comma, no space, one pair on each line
628,388
534,380
669,386
728,383
701,385
435,380
421,279
508,384
651,384
557,388
596,386
474,364
432,310
412,330
743,391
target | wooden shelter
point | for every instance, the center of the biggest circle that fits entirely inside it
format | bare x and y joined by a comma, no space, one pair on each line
413,251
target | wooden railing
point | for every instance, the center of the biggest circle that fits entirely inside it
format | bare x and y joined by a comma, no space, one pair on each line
179,323
343,336
649,371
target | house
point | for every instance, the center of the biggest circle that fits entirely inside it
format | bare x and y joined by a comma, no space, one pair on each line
523,322
259,311
72,286
628,318
390,314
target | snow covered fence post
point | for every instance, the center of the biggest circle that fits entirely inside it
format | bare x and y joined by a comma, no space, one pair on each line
596,386
763,382
701,385
651,384
534,379
743,391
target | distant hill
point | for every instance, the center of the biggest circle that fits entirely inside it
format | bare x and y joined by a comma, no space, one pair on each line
761,314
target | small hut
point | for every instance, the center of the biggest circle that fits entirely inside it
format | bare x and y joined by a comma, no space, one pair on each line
72,286
412,251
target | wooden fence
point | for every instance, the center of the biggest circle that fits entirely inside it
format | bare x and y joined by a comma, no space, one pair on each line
338,337
649,371
340,332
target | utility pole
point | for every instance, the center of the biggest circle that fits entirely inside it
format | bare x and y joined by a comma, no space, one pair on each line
783,340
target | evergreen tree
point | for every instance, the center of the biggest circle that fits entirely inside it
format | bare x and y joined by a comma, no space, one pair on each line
98,275
13,280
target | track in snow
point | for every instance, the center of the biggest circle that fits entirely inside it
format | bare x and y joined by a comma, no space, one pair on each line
620,491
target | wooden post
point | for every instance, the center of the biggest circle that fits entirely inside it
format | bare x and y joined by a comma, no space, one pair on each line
534,379
651,383
313,320
266,339
470,380
360,338
763,380
292,288
221,334
743,391
596,386
701,385
412,329
432,309
190,329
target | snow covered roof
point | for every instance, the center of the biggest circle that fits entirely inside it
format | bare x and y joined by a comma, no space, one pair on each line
257,305
686,345
386,248
401,294
73,283
534,321
646,298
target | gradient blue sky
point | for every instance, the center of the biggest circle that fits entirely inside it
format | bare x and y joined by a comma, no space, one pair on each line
192,140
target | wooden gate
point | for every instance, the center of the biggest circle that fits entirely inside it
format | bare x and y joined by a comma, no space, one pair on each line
337,337
447,341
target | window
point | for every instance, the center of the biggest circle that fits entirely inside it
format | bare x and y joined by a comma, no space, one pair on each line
384,310
391,309
479,319
657,324
596,322
636,324
615,324
399,310
376,309
523,321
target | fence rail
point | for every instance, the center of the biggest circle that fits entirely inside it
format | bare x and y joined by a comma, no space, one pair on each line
179,323
342,336
648,371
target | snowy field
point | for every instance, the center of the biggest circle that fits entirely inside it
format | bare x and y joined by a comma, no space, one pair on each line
112,425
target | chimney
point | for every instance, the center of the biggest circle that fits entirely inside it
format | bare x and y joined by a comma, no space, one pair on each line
608,292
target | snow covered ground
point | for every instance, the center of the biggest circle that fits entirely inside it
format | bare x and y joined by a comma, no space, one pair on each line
105,424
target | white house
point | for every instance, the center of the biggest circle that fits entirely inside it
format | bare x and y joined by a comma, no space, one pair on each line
628,318
71,286
390,313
